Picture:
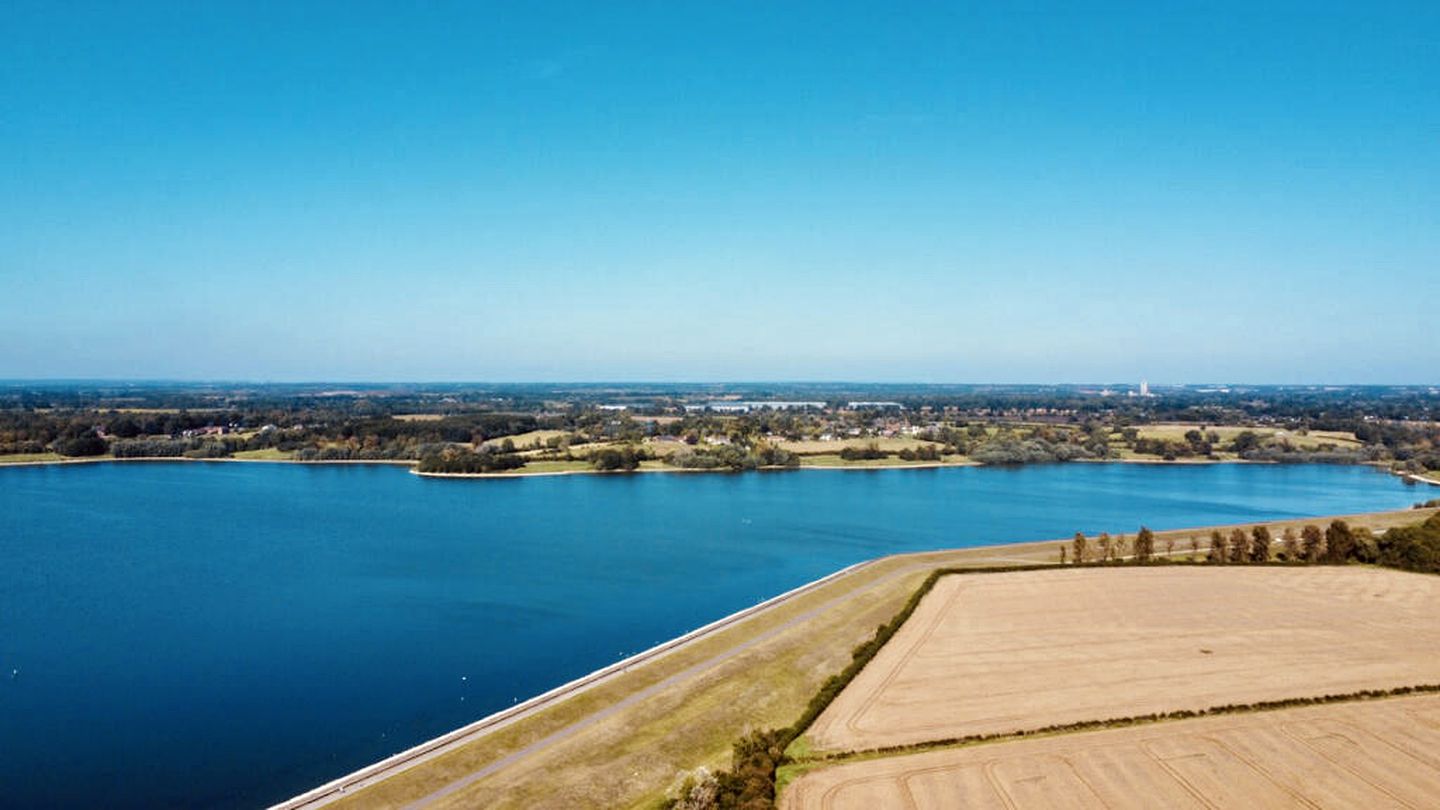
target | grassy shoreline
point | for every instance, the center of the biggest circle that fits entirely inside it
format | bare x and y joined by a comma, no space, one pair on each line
60,462
582,468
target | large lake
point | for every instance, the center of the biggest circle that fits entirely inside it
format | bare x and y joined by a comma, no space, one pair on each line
232,634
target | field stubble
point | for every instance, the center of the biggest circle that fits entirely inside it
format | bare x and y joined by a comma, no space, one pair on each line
1372,754
999,654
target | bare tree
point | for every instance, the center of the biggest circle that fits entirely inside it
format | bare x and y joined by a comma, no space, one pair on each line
1106,547
699,791
1194,547
1062,553
1081,547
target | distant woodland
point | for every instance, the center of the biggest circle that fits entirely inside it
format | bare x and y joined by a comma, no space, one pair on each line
458,428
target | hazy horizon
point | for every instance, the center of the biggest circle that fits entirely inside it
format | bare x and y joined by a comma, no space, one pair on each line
328,191
1112,384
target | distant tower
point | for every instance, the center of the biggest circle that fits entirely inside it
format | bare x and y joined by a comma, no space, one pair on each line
1144,388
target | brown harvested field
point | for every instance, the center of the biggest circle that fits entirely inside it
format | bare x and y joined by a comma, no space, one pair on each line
1310,440
997,653
889,445
1370,754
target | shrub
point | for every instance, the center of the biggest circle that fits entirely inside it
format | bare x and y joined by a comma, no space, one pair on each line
925,452
1413,548
149,448
459,460
623,458
84,445
868,452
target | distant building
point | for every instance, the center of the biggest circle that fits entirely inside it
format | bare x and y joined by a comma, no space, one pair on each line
863,405
759,405
1144,388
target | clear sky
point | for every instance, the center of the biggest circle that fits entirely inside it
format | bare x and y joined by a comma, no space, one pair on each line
1002,192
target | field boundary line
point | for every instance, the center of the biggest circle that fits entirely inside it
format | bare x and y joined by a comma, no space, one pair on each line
1087,726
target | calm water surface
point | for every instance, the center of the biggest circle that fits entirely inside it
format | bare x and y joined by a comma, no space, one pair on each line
231,634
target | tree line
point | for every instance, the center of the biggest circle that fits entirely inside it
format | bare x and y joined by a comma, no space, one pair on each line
733,457
453,459
1412,548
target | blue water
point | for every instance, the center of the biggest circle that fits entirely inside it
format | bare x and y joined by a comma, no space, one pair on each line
232,634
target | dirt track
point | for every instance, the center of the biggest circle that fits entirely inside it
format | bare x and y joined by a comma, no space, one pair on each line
1371,754
1001,653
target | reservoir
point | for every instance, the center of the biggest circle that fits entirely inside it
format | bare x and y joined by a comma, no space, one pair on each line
229,634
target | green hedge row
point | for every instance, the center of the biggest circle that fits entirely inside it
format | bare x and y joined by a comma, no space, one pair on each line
1141,719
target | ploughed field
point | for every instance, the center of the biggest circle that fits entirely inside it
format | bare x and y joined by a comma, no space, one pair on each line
998,653
1371,754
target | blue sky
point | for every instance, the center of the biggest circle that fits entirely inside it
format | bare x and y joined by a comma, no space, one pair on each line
598,191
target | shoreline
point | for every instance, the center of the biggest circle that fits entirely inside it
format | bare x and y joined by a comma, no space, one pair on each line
1415,478
61,462
983,556
719,470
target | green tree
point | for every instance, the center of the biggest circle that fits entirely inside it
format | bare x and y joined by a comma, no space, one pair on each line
610,459
83,445
1260,544
1144,544
1413,548
1217,553
1366,546
1239,545
1339,542
1244,442
1313,543
869,451
1290,541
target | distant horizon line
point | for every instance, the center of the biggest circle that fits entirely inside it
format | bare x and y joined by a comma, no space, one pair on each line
13,381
